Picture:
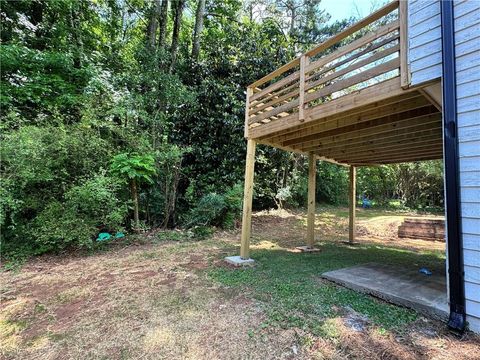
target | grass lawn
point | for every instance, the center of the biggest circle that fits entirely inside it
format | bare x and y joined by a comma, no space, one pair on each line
161,296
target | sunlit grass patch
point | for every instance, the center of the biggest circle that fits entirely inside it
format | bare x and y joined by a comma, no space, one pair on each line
293,294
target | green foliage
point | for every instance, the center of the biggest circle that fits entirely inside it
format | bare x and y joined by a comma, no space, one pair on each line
332,183
219,210
134,166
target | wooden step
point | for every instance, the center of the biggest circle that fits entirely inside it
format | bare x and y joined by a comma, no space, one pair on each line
422,228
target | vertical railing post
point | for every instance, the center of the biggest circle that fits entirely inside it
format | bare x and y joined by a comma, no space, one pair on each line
403,18
247,110
301,98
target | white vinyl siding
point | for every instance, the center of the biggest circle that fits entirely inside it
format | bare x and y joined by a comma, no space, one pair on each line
424,40
467,48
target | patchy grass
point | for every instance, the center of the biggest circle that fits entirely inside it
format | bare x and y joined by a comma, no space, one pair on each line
288,284
167,296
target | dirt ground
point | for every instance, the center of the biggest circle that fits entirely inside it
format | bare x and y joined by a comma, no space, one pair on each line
155,300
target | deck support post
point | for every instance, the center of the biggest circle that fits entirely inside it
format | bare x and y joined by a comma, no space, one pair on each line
312,175
247,201
352,202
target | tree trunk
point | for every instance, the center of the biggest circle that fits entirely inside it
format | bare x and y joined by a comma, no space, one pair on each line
198,29
75,14
178,12
163,20
153,23
136,217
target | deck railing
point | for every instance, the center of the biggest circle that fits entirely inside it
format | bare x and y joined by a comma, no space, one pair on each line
356,58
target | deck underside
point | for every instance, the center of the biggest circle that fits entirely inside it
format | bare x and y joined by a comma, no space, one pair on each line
381,124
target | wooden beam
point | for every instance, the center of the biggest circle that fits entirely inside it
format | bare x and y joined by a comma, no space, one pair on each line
312,174
399,147
404,68
431,121
412,156
352,199
301,104
409,100
351,47
390,153
386,143
357,99
430,98
247,200
421,130
285,148
359,123
355,66
398,160
247,106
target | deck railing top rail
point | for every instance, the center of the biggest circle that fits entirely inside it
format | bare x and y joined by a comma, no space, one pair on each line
295,89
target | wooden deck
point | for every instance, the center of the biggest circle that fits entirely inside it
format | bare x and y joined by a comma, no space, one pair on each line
348,100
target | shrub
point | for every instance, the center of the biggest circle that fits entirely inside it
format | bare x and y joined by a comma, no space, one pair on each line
220,210
89,208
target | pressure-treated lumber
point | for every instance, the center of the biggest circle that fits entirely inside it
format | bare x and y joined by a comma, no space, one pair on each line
301,99
378,129
247,200
354,28
404,70
331,41
366,96
312,175
358,123
247,105
352,202
355,79
420,130
357,65
393,105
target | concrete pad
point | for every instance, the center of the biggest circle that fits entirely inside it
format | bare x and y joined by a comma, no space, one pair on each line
238,261
307,249
346,242
402,286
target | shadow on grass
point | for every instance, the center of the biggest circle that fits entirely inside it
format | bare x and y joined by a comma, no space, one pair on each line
289,286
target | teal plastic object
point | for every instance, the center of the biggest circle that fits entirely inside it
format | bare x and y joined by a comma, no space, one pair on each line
104,237
119,235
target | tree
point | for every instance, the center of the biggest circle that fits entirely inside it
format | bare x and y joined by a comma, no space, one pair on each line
198,29
155,13
162,24
136,169
177,22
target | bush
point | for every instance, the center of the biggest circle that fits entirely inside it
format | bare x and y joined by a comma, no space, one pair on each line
89,208
52,195
220,210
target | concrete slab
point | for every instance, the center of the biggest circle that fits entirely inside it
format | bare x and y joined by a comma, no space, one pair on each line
402,286
238,261
307,249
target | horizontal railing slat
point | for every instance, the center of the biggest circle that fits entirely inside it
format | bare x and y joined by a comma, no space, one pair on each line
379,55
367,38
288,90
353,80
371,47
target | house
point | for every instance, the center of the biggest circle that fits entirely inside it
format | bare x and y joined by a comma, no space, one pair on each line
401,85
